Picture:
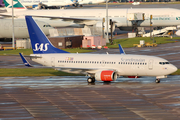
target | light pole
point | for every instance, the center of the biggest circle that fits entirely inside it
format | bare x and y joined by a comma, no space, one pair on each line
151,27
13,25
107,39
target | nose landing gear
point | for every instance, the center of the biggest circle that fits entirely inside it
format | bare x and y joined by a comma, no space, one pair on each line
157,80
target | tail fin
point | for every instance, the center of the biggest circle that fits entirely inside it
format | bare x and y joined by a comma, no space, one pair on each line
1,3
121,49
26,63
39,42
16,4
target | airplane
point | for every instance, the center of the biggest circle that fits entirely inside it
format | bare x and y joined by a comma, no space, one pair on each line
124,19
83,2
20,28
46,4
100,67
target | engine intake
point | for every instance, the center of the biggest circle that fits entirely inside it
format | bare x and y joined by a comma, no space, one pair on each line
107,75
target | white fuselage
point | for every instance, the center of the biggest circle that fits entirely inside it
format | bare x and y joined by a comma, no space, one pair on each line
124,65
47,2
161,16
82,2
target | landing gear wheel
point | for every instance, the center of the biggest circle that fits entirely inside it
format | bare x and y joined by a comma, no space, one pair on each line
157,81
91,80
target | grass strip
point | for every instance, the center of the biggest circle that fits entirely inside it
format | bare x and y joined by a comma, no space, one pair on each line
128,42
29,51
15,72
176,73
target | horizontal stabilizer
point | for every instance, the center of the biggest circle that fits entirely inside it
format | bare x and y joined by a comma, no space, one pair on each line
26,63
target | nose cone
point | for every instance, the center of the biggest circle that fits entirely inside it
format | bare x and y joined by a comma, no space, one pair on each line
173,69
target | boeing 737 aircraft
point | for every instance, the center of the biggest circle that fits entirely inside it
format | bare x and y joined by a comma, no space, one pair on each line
101,67
125,19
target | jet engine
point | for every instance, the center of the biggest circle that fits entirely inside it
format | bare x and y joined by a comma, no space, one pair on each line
107,75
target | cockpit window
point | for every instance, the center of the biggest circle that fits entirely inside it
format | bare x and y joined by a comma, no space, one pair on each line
163,63
46,25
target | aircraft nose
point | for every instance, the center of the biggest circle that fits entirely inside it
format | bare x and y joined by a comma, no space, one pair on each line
173,69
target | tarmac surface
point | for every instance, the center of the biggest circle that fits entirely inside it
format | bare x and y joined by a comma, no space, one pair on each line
72,98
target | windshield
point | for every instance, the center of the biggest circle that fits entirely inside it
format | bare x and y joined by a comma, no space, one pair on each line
163,63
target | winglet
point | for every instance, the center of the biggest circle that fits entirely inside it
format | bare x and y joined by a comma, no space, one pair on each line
26,63
121,49
39,42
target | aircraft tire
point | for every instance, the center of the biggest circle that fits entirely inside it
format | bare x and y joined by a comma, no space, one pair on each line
157,81
90,80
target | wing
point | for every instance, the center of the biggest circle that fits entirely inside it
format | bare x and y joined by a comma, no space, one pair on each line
75,20
85,71
5,16
121,50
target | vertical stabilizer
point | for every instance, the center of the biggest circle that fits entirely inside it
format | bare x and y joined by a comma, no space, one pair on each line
39,42
16,4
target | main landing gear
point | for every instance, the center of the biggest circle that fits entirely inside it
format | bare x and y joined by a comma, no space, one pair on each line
157,80
91,80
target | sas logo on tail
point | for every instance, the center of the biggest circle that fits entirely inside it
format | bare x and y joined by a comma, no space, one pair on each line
41,47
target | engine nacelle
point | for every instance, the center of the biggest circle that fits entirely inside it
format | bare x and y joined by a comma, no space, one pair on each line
107,75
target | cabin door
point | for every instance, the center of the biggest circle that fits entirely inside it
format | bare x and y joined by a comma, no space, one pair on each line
150,65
